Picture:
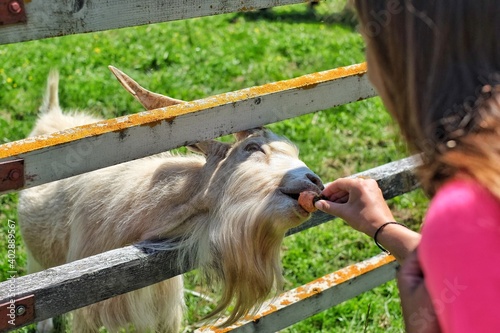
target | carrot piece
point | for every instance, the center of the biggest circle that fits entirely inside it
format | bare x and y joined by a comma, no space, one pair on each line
307,200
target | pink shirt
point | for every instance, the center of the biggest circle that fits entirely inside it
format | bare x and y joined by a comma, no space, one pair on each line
460,257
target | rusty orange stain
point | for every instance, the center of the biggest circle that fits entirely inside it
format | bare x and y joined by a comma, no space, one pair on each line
310,86
270,309
310,289
300,289
154,117
216,329
339,277
285,302
157,122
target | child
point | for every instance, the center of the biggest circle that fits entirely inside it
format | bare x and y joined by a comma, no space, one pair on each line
436,66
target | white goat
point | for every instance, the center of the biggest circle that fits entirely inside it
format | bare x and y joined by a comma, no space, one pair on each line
228,209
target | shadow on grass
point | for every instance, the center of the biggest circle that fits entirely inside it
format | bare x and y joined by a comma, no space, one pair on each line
345,17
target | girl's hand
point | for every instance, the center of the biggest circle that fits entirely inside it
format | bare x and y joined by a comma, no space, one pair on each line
418,311
358,201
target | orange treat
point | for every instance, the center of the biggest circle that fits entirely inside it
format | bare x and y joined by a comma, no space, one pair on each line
307,200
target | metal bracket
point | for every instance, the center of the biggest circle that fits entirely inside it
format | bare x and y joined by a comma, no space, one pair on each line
12,11
11,175
17,312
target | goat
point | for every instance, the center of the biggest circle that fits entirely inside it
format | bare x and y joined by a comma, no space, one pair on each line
228,207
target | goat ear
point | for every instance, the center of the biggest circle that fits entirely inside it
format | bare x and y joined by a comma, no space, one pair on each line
148,99
242,135
210,148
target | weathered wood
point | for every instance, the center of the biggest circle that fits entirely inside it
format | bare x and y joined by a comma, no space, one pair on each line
80,283
51,18
316,296
74,151
83,282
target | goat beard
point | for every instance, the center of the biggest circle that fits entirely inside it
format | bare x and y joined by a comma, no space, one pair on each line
243,259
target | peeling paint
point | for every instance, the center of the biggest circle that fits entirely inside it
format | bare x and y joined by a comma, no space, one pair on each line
156,123
311,289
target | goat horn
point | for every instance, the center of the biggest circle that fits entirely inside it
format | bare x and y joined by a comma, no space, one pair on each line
148,99
242,135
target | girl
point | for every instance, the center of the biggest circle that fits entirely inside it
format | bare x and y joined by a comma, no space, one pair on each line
436,66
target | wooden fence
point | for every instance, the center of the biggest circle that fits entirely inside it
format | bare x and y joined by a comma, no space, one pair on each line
44,159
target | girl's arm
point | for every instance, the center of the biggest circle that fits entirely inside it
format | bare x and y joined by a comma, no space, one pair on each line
361,204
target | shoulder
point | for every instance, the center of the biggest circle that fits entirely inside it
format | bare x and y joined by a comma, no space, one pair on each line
463,217
463,220
460,241
460,200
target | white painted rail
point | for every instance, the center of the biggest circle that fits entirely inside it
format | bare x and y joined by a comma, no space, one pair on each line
316,296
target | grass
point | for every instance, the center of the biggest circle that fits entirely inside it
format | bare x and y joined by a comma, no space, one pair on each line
201,57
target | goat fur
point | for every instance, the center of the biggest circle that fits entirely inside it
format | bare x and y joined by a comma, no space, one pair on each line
227,209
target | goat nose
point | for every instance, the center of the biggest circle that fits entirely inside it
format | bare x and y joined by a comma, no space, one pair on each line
315,180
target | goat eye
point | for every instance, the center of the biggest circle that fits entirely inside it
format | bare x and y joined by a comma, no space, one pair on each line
253,147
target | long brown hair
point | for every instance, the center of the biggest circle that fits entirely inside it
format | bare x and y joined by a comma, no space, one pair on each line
436,65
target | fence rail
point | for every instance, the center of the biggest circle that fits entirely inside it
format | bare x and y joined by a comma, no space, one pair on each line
52,18
316,296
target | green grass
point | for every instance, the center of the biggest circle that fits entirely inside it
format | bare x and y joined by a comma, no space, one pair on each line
196,58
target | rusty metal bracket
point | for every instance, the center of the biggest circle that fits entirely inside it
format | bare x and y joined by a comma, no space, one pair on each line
12,11
11,175
17,312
